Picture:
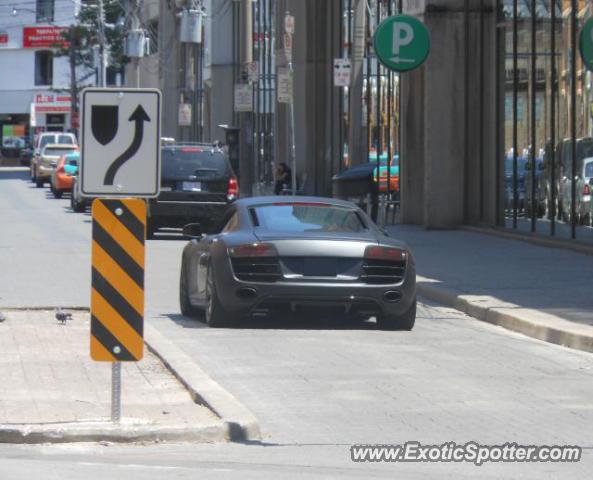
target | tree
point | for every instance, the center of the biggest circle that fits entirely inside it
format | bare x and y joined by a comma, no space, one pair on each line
82,38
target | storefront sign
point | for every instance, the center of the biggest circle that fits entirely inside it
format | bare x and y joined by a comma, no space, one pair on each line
401,43
44,37
52,103
3,38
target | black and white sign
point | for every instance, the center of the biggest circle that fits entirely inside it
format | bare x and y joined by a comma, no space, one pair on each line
120,142
341,72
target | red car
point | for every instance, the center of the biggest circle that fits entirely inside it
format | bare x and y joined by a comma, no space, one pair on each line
65,171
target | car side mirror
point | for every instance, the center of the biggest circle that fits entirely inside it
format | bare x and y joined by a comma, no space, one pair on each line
192,230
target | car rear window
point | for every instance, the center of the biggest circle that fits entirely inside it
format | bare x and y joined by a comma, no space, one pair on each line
56,152
303,217
65,140
193,161
46,140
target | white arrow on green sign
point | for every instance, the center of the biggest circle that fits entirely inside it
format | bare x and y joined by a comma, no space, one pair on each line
401,43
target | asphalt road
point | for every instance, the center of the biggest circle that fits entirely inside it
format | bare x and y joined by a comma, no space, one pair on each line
317,387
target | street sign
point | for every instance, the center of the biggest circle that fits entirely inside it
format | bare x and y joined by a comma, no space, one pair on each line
586,44
414,7
243,97
284,85
120,151
289,23
117,292
341,72
401,43
288,47
184,115
253,72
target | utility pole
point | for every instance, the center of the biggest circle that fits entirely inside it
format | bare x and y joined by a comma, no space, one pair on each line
102,47
73,82
245,118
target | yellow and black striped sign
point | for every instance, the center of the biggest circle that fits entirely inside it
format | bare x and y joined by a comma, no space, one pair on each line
117,293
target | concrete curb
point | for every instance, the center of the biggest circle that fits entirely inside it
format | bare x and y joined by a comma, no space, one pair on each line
532,323
109,432
241,424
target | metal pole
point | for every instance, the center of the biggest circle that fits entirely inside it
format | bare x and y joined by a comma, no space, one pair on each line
573,117
102,49
533,112
553,193
515,113
292,139
116,392
246,118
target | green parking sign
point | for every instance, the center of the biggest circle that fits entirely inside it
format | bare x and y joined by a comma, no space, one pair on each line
401,43
586,44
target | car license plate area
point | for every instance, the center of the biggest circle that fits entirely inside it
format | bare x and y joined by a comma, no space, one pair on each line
191,186
320,267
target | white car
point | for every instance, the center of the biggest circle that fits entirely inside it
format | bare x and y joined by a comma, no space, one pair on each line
44,139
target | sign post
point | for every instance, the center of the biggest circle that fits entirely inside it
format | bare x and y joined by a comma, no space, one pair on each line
120,158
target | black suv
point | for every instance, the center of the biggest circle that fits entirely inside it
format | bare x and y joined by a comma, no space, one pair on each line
197,184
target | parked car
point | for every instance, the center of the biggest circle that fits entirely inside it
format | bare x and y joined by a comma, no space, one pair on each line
584,153
539,161
25,154
381,172
44,139
509,181
48,160
63,174
283,255
78,203
197,184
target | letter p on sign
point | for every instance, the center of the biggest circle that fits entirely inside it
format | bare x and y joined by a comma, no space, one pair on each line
403,34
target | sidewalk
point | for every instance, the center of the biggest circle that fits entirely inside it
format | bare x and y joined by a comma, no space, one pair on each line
53,391
546,293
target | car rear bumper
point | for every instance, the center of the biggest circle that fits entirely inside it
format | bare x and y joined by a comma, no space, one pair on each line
177,214
63,183
360,299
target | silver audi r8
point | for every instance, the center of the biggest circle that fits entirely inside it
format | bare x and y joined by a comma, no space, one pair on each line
276,256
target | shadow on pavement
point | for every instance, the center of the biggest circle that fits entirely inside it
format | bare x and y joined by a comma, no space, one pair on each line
276,323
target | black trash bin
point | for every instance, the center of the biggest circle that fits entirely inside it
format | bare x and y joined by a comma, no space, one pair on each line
355,183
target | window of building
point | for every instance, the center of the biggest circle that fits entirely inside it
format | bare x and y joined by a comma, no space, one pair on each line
153,37
45,11
44,67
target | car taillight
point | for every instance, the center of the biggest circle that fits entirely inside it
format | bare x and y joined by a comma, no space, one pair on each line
233,189
253,250
385,253
587,190
61,169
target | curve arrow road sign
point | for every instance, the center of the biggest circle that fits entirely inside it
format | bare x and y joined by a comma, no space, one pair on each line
139,117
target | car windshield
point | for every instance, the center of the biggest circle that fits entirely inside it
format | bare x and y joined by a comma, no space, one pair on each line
589,167
303,217
193,161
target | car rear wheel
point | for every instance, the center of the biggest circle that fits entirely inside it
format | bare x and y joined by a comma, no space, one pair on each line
187,308
39,183
57,193
398,322
216,315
